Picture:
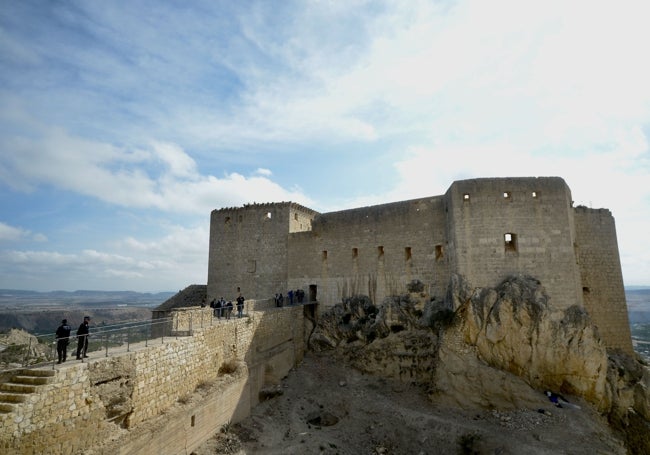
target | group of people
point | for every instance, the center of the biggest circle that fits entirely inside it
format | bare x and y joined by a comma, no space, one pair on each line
223,308
298,295
63,339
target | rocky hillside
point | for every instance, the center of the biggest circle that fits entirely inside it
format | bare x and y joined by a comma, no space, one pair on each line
491,349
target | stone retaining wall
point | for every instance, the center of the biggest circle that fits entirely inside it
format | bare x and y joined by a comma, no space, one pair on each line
87,404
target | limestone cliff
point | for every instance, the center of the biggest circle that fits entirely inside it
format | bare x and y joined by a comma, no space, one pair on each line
488,347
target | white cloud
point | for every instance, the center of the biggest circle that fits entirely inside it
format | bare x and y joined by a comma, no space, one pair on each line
13,234
129,178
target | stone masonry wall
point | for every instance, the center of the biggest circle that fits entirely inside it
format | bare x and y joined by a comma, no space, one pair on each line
484,229
248,249
536,213
373,251
75,413
602,280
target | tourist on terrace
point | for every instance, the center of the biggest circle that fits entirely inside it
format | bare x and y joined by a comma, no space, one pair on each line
82,337
62,340
240,306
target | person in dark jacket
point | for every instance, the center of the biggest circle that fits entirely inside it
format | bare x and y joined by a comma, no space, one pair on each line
240,305
82,337
62,340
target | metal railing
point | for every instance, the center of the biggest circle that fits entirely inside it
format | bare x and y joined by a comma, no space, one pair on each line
42,349
120,337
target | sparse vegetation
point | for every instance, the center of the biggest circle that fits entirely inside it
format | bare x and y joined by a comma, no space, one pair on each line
227,368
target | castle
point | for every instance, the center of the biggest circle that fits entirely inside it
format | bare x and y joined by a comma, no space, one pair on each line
484,229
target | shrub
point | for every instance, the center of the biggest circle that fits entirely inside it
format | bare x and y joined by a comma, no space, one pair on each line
228,367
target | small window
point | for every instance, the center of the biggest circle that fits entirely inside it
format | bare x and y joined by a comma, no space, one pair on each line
534,194
192,421
324,255
268,215
407,253
585,290
227,220
380,251
507,195
510,242
355,253
295,216
466,197
439,252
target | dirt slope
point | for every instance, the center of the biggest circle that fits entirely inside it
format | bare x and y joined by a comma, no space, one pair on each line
352,413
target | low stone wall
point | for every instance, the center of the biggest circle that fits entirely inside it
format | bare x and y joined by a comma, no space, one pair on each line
88,404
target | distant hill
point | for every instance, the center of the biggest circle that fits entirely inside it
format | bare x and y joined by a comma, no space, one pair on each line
638,304
12,298
41,312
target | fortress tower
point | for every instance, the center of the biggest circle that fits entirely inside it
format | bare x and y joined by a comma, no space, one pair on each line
485,229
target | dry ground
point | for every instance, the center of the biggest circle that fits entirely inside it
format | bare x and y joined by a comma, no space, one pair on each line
324,407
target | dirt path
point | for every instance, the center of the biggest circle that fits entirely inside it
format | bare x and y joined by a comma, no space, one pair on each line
325,407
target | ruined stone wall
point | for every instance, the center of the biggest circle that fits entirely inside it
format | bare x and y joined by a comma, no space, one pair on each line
87,402
537,214
373,251
602,279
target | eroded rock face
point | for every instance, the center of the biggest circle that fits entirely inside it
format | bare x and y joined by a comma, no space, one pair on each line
515,329
486,347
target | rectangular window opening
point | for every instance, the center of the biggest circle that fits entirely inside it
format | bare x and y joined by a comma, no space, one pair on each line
380,251
534,194
510,242
324,255
407,253
585,290
268,215
439,252
466,197
355,253
295,216
227,220
507,195
192,420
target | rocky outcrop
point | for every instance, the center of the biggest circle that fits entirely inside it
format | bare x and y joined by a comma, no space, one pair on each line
515,329
489,347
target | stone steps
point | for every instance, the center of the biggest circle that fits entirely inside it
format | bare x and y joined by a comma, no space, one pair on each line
20,386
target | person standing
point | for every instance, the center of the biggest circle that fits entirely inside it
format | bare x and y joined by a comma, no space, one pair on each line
240,306
228,309
62,340
82,337
219,306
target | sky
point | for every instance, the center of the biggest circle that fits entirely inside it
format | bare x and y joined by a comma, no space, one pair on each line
124,124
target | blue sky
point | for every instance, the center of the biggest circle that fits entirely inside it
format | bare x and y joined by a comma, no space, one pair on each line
123,124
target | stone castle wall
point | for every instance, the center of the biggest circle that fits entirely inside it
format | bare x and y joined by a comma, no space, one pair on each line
602,280
86,403
483,229
538,216
375,251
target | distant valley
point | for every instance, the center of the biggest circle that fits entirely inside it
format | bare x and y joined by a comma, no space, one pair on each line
41,312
